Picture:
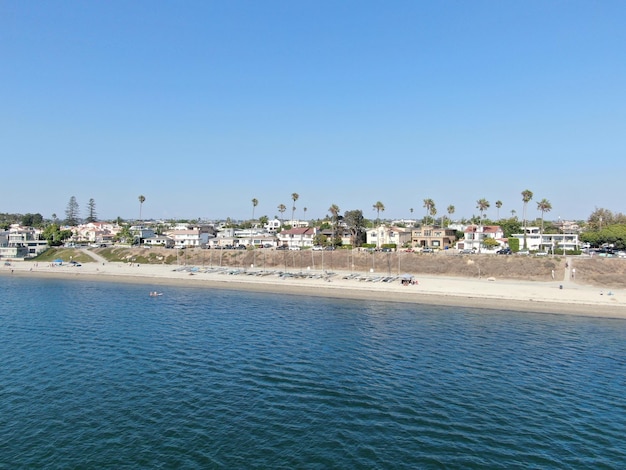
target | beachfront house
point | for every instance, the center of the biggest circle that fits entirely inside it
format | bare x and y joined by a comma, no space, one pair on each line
475,235
159,240
535,241
431,236
388,235
21,242
195,237
299,237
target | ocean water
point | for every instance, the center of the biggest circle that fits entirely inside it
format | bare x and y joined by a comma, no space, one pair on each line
100,375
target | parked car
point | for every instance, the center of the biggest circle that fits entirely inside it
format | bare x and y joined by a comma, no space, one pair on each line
427,250
523,252
294,248
317,248
504,251
467,251
282,247
541,253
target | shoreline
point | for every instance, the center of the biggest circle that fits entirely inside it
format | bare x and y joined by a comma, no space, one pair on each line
556,297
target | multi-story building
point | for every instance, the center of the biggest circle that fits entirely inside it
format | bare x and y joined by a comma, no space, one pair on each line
535,241
300,237
388,235
430,236
475,235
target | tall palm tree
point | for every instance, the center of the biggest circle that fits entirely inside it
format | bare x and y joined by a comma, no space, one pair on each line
498,206
255,202
450,210
142,199
543,206
378,207
304,209
294,197
482,205
428,205
281,208
334,211
527,196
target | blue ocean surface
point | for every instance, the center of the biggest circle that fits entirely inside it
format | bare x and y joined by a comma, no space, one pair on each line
100,375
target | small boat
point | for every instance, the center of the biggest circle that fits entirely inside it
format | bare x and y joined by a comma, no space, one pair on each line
155,294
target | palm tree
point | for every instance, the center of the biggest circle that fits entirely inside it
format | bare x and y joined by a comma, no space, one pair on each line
543,206
304,210
142,199
527,196
498,206
294,197
281,208
433,213
429,204
482,205
334,211
450,210
379,206
255,202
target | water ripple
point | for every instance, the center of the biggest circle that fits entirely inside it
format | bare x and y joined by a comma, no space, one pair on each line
100,375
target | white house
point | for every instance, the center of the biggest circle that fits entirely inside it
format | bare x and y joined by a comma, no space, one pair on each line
474,235
535,241
159,240
299,237
384,235
189,238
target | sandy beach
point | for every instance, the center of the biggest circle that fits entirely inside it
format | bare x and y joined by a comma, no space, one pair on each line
565,297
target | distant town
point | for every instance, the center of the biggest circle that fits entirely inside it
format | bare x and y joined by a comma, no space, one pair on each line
27,236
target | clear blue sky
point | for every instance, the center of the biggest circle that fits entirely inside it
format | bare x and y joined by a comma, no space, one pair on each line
202,106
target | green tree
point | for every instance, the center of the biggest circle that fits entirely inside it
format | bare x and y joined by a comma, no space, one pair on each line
334,212
54,235
320,239
32,220
356,224
72,212
91,211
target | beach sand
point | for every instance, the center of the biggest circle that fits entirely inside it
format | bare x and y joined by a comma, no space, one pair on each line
564,297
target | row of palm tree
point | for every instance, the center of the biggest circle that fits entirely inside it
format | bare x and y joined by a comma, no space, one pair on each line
482,205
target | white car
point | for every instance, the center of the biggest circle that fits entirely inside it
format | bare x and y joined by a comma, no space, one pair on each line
317,248
294,248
